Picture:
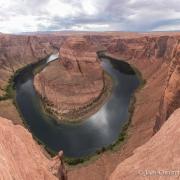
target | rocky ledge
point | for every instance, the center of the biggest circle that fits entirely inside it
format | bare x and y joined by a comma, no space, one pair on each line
75,86
22,158
157,159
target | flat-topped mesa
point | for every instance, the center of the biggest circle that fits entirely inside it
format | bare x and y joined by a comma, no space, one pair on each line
75,86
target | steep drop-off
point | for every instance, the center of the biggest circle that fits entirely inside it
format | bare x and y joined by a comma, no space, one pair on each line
152,54
155,55
156,159
16,51
171,97
73,84
163,50
21,157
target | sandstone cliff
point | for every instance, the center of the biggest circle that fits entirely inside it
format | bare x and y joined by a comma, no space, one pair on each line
146,51
155,55
152,54
153,48
171,97
21,157
157,159
18,51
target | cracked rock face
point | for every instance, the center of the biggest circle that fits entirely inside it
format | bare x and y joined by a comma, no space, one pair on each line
75,80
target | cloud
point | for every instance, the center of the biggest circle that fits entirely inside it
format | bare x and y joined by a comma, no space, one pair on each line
91,15
90,27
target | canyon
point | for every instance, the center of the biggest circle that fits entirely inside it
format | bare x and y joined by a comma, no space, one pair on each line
155,55
17,51
76,83
152,54
22,158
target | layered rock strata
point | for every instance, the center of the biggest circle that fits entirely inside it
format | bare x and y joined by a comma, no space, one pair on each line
73,84
155,55
152,54
17,51
170,100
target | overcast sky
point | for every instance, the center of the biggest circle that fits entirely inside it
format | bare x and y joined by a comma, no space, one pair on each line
90,15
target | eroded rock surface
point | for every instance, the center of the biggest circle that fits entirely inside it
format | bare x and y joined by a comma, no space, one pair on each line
171,97
17,51
75,81
21,157
157,159
155,55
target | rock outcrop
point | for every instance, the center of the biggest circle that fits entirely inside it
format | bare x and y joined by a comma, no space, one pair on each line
152,54
157,159
75,81
21,157
171,97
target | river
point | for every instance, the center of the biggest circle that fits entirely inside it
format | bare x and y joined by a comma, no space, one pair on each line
84,138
